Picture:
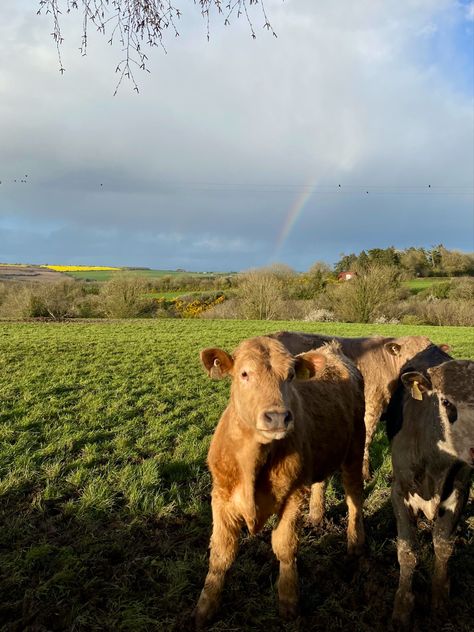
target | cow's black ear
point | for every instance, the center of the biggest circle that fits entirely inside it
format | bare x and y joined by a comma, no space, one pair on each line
217,362
416,383
393,348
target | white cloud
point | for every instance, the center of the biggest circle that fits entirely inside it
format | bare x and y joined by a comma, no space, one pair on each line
348,92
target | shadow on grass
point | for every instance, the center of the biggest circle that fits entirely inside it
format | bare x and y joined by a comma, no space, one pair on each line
123,571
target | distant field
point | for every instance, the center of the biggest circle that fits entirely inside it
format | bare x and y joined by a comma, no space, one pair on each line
104,491
416,285
104,275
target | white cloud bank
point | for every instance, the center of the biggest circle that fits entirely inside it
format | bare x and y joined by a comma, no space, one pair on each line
356,93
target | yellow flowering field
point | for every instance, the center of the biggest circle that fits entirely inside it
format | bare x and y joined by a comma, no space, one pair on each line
80,268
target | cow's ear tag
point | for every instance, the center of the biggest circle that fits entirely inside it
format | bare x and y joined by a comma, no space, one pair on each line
415,391
215,370
303,373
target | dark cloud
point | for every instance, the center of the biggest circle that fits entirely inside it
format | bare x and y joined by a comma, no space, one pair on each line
202,169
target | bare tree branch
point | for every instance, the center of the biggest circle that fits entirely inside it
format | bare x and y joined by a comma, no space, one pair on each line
135,23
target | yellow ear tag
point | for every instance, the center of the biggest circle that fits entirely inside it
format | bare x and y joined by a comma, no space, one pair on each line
303,373
415,391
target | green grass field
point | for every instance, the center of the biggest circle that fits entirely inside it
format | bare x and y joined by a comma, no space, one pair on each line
106,275
104,492
417,285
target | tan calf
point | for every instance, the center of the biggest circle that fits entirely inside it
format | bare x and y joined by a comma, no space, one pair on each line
379,359
290,421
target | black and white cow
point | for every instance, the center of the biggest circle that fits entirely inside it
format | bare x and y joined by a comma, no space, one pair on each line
430,423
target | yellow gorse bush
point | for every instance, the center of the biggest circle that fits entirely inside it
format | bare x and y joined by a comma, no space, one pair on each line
196,307
79,268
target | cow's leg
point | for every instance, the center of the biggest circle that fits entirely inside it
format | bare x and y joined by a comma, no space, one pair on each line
223,549
443,544
316,503
285,544
443,548
373,410
354,489
406,542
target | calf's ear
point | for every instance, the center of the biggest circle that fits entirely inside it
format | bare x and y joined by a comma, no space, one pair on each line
393,348
416,383
309,364
444,347
217,362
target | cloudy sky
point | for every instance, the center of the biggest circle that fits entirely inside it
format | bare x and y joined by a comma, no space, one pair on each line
232,154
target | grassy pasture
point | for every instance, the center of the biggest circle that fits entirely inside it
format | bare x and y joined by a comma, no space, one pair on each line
106,275
417,285
104,493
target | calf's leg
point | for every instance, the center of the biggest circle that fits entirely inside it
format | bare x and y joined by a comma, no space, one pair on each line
354,489
372,415
316,503
285,544
223,549
406,540
443,543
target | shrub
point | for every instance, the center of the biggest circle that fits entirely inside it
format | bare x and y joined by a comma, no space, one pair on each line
361,298
43,300
229,309
462,288
122,297
445,312
411,319
320,315
437,290
385,320
16,302
262,294
192,307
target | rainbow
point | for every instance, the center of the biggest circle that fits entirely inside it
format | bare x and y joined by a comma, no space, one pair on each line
293,214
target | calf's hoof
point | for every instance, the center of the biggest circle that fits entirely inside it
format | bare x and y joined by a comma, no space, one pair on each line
315,518
366,472
204,611
200,619
402,611
439,598
355,549
288,609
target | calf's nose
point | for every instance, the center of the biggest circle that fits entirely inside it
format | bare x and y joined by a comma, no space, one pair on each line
279,419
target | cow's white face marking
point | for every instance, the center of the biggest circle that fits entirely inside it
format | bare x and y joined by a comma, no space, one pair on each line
428,507
459,434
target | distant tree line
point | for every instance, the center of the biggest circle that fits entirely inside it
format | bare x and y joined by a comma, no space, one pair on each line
413,261
379,292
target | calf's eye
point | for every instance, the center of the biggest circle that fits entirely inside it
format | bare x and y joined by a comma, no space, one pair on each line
451,410
244,375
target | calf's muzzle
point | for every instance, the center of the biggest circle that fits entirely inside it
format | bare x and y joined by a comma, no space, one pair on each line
274,423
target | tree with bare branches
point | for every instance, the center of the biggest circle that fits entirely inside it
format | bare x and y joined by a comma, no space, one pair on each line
136,24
